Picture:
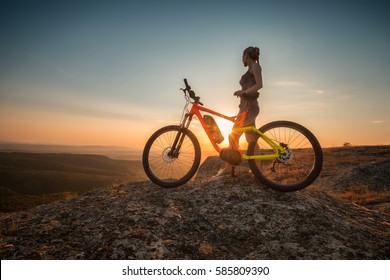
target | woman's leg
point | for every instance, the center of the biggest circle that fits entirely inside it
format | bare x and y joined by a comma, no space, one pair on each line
234,137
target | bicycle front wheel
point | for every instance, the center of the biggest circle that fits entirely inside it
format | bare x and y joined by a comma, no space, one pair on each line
169,166
294,170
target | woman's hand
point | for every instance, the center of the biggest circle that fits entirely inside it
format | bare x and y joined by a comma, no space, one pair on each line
239,93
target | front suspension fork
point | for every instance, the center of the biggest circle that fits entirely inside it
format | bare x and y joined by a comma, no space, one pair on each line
176,146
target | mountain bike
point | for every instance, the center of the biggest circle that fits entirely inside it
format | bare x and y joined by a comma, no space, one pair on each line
284,155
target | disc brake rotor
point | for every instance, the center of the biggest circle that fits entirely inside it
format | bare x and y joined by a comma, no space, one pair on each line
286,157
165,155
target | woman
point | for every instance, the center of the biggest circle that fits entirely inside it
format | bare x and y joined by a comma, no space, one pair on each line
251,82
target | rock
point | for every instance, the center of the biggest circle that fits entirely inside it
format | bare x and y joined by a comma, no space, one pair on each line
232,218
367,184
213,164
238,220
375,176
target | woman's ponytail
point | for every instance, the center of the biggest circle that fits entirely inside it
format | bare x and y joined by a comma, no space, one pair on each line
253,52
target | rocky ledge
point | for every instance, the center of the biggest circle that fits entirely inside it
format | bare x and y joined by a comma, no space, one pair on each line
231,218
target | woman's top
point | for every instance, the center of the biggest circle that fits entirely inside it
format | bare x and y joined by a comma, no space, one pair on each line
248,99
247,80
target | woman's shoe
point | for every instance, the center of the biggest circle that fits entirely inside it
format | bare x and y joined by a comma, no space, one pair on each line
227,171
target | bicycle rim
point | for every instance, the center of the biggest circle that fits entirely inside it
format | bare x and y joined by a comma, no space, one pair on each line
168,170
296,169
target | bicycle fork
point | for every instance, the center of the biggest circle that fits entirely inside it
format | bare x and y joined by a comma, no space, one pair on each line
177,143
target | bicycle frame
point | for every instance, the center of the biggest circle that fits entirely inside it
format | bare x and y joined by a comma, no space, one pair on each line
238,120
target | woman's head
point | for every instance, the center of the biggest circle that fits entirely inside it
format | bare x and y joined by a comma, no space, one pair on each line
252,53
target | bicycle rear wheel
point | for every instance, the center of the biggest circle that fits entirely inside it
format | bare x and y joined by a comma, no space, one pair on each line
296,169
169,166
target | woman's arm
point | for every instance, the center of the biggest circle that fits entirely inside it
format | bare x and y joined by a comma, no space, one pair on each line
256,70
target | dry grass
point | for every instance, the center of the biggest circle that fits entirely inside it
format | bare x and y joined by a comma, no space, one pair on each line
206,249
339,159
10,229
17,202
363,196
358,175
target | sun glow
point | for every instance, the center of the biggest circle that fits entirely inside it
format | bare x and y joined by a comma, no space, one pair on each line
225,127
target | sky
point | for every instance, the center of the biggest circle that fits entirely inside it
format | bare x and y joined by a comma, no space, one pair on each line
109,72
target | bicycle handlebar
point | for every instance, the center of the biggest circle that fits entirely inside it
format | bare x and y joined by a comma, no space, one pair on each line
191,93
186,83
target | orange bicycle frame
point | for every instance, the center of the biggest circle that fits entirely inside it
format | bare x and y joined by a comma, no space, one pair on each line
238,120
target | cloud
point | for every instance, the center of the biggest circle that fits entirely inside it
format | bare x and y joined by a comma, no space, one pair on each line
378,121
303,88
290,84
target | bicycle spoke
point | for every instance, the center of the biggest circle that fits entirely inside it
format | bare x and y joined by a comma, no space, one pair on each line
293,167
167,167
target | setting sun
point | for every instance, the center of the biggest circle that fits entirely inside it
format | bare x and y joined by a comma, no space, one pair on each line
226,128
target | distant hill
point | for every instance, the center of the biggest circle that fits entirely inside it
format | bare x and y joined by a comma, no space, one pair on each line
35,174
113,152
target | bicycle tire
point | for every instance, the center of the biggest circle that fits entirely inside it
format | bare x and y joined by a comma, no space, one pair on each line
167,171
300,169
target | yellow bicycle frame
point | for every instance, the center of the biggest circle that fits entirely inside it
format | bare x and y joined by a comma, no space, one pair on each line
276,147
238,120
